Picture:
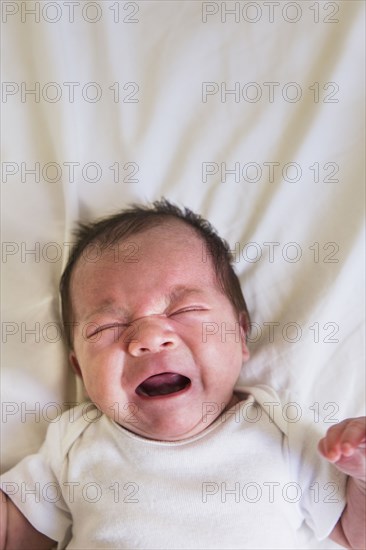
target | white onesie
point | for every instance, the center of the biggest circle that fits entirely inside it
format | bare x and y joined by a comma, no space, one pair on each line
252,479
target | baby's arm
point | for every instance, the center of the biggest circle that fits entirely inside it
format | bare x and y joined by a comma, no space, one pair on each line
16,533
345,446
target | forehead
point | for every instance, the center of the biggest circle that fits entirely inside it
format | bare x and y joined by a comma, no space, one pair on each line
161,257
166,241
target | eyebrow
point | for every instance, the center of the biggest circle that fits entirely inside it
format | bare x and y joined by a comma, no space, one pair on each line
108,307
176,293
180,291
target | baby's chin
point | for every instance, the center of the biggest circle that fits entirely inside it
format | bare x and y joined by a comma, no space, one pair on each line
167,430
172,418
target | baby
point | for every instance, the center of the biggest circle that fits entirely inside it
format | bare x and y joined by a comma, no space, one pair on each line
169,452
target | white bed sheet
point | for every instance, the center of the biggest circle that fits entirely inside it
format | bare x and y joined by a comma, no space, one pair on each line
297,193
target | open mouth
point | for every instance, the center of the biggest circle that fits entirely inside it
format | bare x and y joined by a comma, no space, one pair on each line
163,384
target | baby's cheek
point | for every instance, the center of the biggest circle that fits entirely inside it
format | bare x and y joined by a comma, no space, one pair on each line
221,357
99,378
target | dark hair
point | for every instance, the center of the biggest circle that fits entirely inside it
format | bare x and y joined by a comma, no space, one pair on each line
138,218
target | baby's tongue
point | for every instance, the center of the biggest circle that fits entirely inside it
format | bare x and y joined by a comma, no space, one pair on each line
164,383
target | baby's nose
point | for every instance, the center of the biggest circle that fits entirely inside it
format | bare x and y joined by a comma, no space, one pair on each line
152,336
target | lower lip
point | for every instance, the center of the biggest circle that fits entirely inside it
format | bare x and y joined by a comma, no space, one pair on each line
167,395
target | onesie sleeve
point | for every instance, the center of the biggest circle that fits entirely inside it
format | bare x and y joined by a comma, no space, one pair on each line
319,489
322,486
33,485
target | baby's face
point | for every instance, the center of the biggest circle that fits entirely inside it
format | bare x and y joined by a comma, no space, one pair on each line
157,343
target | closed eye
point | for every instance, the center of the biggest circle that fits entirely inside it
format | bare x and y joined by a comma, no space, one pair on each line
188,309
106,327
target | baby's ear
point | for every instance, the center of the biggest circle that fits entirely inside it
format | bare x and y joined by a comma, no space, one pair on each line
75,364
244,331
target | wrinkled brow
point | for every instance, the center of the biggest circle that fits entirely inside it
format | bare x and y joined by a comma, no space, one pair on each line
181,291
176,293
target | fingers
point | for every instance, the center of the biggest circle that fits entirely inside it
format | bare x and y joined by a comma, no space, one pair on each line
342,440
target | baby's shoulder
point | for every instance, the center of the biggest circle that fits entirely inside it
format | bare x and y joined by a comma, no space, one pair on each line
269,401
70,425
